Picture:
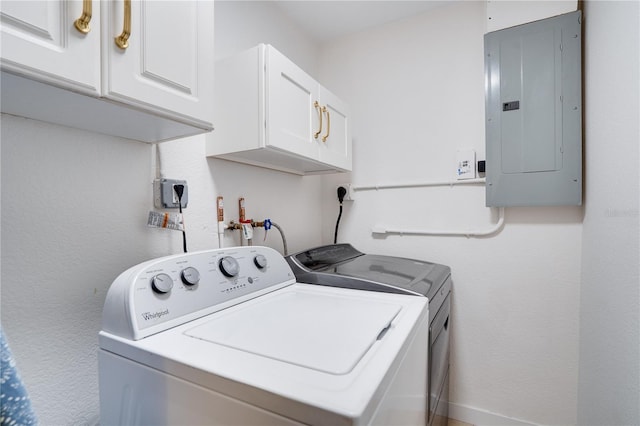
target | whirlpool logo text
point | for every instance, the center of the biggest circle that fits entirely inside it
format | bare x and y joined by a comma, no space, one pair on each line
148,316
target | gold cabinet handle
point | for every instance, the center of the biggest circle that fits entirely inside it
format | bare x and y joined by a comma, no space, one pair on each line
82,23
316,105
324,109
122,41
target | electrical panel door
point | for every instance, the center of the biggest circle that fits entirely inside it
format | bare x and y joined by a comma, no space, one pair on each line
533,99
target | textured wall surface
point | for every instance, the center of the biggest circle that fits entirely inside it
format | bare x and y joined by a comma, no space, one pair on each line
73,218
609,386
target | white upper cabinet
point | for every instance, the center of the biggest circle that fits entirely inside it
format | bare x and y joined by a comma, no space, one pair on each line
39,40
168,65
152,61
270,113
291,115
335,135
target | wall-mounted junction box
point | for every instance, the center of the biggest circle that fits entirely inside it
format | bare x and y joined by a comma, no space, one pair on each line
165,196
533,76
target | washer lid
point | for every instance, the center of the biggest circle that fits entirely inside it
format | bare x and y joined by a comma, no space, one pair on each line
328,333
340,265
413,275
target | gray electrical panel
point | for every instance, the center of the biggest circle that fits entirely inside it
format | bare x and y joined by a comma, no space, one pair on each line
533,94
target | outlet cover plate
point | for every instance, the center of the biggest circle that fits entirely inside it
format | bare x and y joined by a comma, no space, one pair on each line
164,196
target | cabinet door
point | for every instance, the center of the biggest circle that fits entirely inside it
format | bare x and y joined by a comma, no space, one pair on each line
335,139
291,117
168,64
39,41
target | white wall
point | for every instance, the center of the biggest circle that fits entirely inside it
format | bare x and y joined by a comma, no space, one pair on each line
243,24
609,385
416,89
73,217
74,212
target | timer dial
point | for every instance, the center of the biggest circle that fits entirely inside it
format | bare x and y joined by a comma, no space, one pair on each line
229,266
162,283
260,261
190,276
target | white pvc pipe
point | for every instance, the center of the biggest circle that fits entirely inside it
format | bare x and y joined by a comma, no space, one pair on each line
221,227
381,229
478,181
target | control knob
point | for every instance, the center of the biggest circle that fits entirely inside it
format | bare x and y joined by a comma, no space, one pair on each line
229,266
260,261
190,276
162,283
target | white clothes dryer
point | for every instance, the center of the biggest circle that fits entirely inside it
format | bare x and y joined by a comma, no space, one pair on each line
228,336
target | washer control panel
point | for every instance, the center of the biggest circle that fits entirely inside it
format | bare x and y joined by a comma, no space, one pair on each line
166,292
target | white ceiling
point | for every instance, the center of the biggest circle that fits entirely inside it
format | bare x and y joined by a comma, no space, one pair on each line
324,20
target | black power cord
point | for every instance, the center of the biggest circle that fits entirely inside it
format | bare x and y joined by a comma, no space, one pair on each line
179,189
341,193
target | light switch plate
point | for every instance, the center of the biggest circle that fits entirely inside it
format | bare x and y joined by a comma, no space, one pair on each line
465,164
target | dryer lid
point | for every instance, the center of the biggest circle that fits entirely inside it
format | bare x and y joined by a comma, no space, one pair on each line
330,334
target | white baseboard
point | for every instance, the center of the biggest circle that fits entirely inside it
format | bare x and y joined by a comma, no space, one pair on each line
478,417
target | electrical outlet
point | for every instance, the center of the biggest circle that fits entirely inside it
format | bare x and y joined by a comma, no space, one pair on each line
164,194
465,164
350,195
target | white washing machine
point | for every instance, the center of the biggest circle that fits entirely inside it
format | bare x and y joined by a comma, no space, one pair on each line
229,337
